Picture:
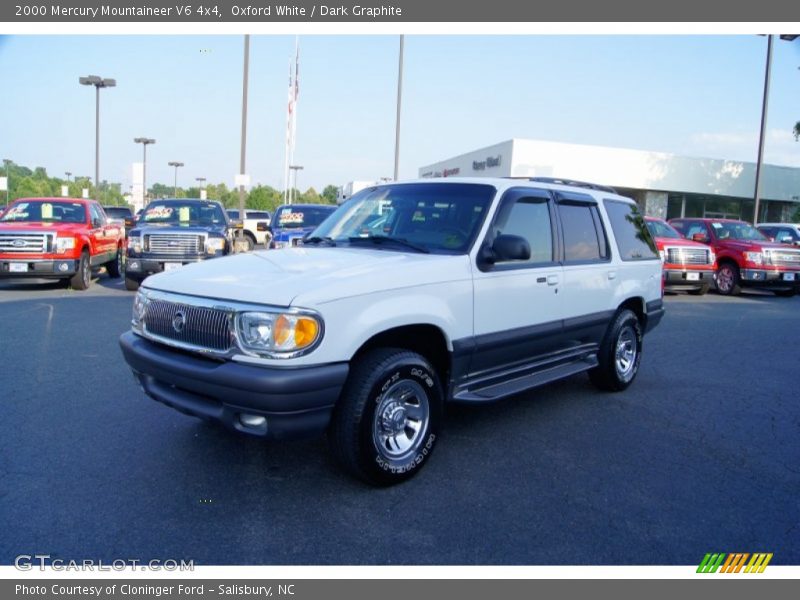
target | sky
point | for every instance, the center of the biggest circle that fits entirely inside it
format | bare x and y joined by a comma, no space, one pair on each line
688,95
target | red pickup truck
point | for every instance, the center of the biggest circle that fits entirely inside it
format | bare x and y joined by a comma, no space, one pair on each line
745,257
688,265
59,238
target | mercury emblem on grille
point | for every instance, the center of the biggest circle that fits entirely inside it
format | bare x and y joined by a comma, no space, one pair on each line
178,321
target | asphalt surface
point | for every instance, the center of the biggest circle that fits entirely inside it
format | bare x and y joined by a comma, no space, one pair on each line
701,454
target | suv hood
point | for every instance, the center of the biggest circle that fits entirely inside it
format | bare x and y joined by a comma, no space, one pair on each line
309,276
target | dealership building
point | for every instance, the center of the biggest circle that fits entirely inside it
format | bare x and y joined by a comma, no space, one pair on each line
664,185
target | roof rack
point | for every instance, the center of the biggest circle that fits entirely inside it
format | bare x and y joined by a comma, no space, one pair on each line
583,184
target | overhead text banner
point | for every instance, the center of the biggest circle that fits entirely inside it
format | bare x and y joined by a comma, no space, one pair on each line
195,11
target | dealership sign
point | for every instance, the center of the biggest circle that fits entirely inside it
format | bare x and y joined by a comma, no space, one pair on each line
482,165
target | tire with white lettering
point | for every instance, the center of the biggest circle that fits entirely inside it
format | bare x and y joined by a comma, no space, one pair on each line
620,353
387,421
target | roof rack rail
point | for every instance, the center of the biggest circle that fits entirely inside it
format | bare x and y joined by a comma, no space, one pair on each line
583,184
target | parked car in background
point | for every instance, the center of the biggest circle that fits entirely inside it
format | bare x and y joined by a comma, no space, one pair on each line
783,233
120,215
59,238
255,226
745,257
688,266
292,222
174,232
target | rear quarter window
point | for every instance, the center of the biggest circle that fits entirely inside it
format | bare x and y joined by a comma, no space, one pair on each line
634,241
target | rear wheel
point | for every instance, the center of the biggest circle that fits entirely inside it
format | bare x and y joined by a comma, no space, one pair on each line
387,420
701,291
620,353
83,276
728,281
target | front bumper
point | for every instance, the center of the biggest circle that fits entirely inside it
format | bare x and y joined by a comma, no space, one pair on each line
770,279
40,267
293,402
138,267
683,279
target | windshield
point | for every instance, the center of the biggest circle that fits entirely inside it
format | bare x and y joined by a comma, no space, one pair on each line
41,211
737,231
438,217
117,212
301,216
662,229
177,212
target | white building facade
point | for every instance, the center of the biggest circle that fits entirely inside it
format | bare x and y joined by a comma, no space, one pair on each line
664,185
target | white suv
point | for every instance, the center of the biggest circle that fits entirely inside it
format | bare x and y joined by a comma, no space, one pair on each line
410,295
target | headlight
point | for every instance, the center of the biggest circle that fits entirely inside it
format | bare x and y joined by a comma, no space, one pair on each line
214,245
139,309
712,257
135,243
279,245
754,257
277,335
64,243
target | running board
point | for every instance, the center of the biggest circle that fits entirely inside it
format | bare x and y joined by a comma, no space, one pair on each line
520,384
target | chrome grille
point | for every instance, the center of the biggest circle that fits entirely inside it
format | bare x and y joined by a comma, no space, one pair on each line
786,258
174,244
200,326
688,256
28,243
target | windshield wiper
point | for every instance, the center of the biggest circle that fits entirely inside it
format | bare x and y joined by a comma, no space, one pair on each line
385,239
315,239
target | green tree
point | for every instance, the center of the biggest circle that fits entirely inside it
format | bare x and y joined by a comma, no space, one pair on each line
797,131
330,193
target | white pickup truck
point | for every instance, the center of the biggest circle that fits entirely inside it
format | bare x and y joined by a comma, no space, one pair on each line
409,296
256,226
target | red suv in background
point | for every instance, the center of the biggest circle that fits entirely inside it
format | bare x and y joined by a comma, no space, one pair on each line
688,265
744,256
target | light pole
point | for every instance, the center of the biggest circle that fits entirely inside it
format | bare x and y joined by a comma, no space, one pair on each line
246,69
294,168
97,82
68,174
399,100
176,164
144,142
7,162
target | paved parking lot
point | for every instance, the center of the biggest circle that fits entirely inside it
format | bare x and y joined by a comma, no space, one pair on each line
700,455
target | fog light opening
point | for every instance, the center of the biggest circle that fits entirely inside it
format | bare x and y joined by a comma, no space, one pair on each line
63,267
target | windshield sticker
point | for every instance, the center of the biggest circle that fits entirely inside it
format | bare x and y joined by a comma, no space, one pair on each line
717,225
158,212
291,217
47,211
183,214
18,212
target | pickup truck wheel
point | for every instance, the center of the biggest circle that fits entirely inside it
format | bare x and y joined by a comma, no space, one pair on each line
115,267
83,276
728,280
620,353
131,284
701,291
387,421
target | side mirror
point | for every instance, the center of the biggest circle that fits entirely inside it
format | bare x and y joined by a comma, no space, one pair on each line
129,222
700,237
511,247
96,223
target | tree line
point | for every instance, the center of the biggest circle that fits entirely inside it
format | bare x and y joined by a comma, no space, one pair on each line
24,182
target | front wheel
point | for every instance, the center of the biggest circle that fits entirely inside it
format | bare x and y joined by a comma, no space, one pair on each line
620,353
387,421
728,280
83,276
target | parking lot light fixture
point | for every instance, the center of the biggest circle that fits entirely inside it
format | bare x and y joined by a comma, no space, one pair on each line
97,82
144,141
176,164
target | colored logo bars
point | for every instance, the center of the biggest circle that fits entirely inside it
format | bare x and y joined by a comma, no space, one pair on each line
733,563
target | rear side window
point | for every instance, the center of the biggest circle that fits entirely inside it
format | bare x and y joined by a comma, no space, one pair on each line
633,238
584,237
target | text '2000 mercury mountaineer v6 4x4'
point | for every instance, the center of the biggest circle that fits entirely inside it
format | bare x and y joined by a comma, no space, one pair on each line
410,295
